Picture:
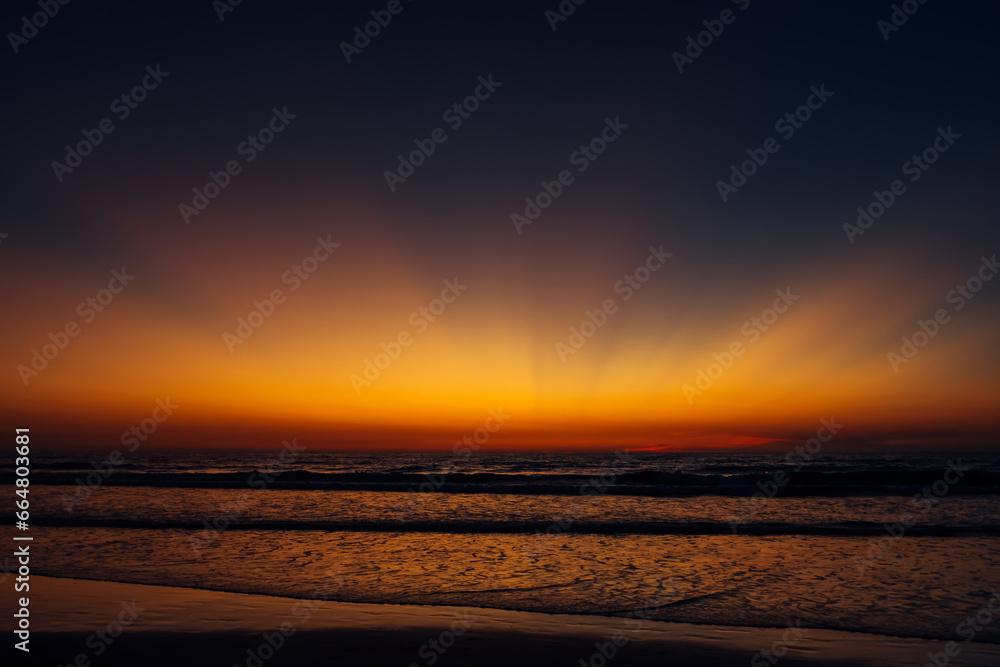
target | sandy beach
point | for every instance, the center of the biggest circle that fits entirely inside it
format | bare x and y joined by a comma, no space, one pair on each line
107,623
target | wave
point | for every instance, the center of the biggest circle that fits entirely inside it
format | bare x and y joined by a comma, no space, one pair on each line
643,483
85,466
829,529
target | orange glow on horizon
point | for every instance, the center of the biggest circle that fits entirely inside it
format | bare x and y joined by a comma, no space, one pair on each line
495,347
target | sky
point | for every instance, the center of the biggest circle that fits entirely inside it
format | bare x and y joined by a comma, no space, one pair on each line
609,233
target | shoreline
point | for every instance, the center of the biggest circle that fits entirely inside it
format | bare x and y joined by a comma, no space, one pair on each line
416,607
66,612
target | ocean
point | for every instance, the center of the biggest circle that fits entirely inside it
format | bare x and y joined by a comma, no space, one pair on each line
903,544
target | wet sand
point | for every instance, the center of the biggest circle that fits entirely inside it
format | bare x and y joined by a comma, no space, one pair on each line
74,621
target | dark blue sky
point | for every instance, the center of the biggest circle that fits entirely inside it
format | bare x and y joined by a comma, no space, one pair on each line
939,69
